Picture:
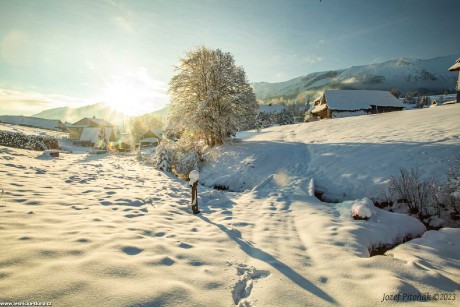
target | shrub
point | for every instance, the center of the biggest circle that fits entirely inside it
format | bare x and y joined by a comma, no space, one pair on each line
32,142
422,197
453,186
180,157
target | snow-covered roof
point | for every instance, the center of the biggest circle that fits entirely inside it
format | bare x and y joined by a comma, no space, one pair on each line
271,108
456,66
92,134
32,121
153,132
350,100
97,121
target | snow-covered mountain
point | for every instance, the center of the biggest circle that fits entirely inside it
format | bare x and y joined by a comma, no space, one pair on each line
425,76
67,114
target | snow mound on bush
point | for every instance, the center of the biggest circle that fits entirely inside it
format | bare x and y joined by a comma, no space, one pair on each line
362,208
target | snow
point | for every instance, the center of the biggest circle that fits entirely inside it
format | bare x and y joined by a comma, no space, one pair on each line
194,176
349,158
350,100
109,230
362,208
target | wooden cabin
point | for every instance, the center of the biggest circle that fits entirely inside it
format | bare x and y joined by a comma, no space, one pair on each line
76,129
151,138
456,67
344,103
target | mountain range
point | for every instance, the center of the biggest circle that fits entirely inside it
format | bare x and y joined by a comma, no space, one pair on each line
405,75
71,115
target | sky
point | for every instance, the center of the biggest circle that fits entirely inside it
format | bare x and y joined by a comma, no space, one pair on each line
56,53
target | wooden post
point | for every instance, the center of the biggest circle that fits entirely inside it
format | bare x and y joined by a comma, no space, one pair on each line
194,176
195,198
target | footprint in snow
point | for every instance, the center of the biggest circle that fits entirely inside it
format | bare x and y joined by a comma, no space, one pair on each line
243,287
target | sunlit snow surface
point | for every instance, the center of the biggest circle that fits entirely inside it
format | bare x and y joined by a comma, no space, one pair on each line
103,230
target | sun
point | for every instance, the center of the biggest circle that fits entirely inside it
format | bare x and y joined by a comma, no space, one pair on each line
124,98
133,94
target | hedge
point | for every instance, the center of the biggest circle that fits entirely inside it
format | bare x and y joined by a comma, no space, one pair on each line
33,142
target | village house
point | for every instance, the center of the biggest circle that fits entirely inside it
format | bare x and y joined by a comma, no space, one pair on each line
123,144
151,138
456,67
76,129
344,103
91,136
50,124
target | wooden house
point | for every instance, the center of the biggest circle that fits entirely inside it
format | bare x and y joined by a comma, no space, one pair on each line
76,129
344,103
151,138
124,143
91,136
456,67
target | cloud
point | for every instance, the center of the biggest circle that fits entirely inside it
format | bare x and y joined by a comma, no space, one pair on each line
16,48
312,59
122,23
124,17
321,42
14,102
350,80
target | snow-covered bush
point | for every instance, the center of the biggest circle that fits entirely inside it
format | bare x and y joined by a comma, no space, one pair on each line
422,197
164,156
265,120
453,186
33,142
179,157
285,117
361,209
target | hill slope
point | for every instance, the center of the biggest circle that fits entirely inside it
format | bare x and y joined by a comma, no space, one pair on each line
426,76
348,158
67,114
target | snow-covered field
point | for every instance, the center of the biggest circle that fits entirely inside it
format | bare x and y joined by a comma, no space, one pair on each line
103,230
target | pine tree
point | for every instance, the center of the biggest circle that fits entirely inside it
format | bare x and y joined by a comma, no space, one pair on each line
210,96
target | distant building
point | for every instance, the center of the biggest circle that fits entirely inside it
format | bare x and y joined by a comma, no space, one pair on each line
151,138
50,124
456,67
344,103
124,143
76,129
271,108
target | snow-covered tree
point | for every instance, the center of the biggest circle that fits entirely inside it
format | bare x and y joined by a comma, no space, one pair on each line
101,138
210,96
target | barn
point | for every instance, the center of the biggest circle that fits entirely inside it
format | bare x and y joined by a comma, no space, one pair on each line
344,103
